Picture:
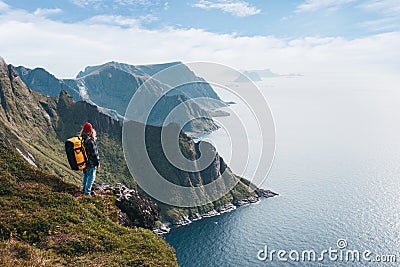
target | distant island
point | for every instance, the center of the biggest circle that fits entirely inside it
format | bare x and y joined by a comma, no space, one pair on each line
258,75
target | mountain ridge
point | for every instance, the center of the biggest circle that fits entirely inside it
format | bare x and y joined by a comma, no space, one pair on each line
111,86
136,69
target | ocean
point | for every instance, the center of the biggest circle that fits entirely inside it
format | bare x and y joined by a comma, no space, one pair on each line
337,170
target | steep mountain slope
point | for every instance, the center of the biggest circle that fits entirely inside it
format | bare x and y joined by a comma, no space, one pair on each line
45,222
112,85
27,123
37,126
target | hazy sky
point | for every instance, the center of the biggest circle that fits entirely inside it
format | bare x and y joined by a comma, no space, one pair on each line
284,35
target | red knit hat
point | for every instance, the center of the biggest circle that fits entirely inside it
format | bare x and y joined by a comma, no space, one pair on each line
87,128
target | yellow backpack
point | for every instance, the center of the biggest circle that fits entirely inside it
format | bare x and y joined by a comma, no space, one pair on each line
76,153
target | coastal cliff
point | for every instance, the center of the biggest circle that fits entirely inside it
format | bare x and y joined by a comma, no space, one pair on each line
37,125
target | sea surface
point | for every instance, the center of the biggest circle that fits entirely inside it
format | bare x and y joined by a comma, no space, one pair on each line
336,168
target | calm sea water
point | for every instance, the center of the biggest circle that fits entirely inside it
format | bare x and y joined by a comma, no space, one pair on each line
337,170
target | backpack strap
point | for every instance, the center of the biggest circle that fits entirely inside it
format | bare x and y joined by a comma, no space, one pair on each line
83,149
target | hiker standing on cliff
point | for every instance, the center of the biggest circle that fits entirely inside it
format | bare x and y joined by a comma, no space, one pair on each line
89,173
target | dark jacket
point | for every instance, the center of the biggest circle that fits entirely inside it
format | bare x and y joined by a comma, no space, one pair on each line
91,151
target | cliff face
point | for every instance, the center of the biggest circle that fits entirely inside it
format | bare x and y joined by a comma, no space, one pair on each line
191,151
71,114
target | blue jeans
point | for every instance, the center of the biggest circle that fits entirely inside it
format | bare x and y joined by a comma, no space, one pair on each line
89,174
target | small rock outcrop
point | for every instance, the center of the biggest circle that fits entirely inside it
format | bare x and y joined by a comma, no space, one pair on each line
266,193
136,210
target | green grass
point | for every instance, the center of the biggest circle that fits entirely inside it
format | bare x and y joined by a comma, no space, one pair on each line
46,222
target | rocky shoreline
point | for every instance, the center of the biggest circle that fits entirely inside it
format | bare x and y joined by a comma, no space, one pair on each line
136,209
165,228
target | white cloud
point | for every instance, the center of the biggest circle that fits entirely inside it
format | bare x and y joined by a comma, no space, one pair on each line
112,20
385,24
47,11
3,6
85,3
234,7
384,6
65,48
313,5
133,2
103,4
122,21
148,18
390,9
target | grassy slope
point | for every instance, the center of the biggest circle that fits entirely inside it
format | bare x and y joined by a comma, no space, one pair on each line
44,222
